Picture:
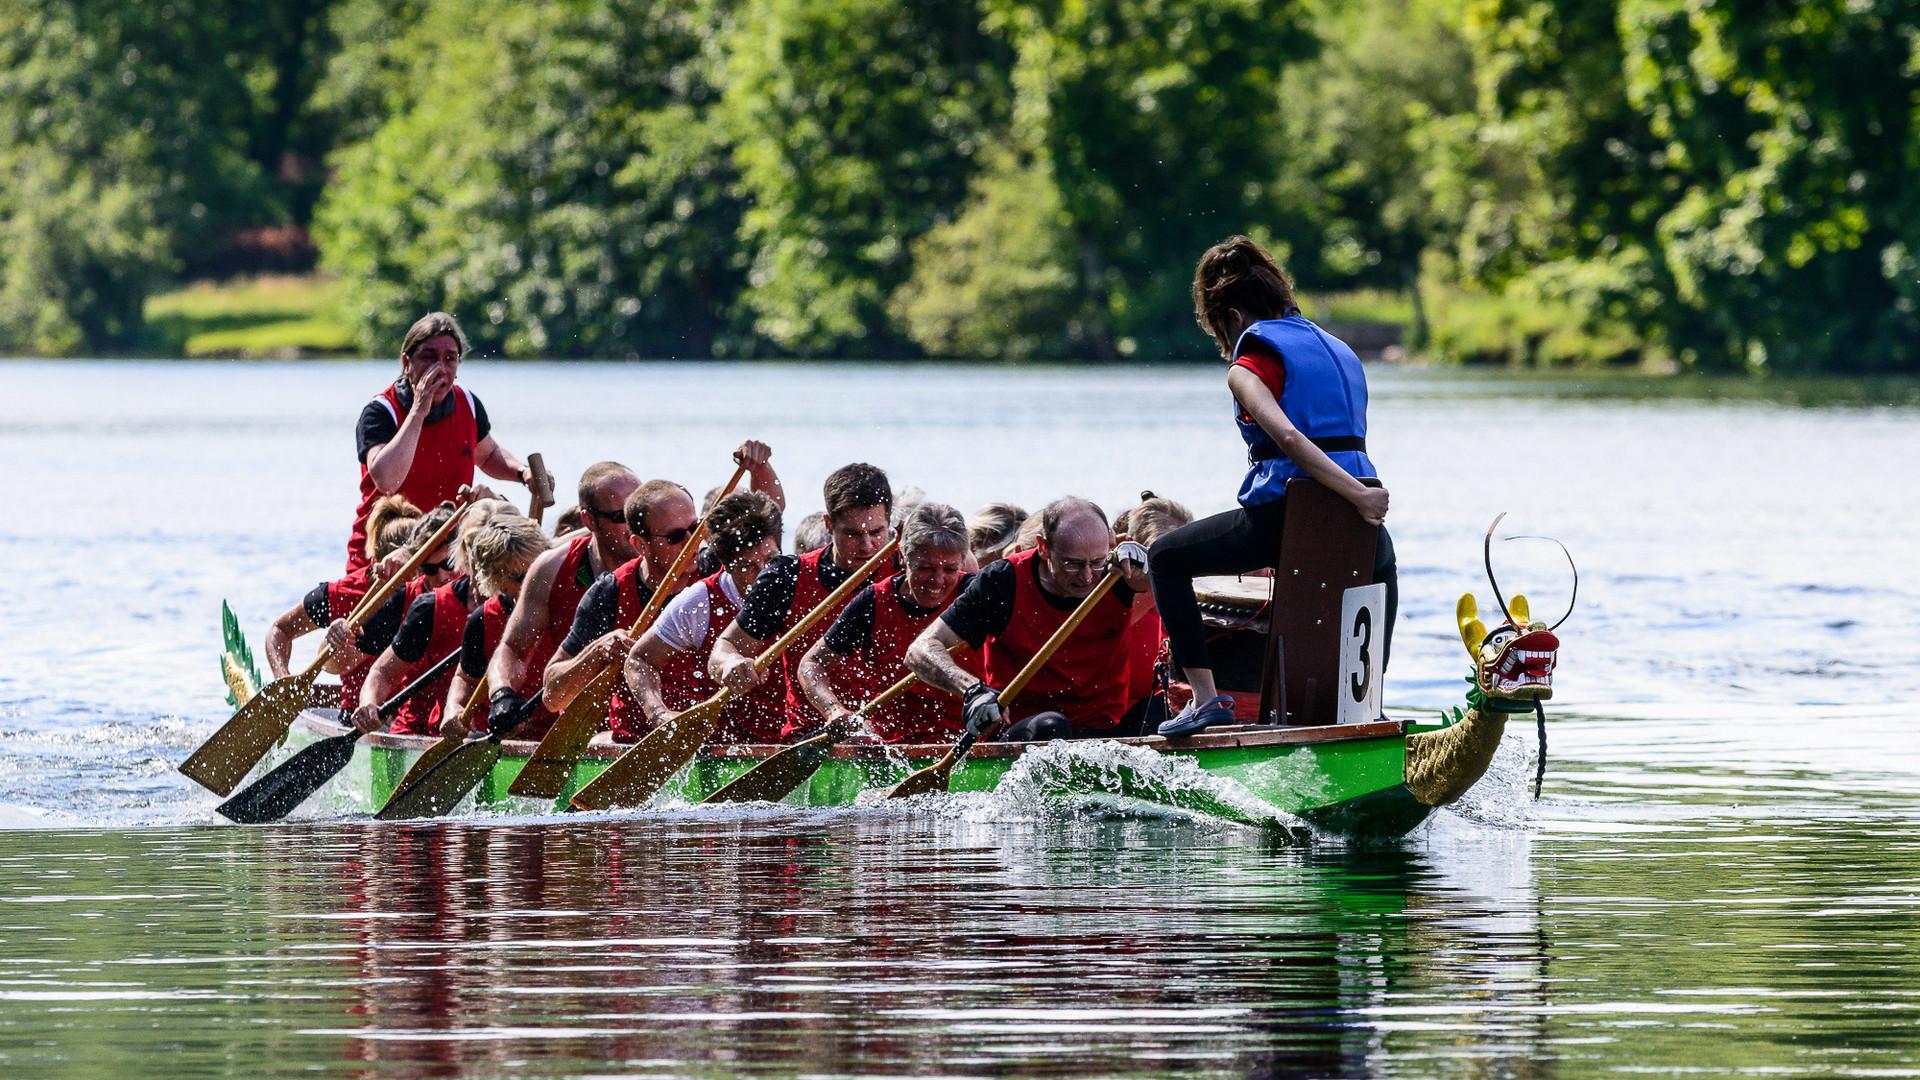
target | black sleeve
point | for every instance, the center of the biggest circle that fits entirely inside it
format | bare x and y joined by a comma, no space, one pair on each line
985,606
481,425
473,646
764,611
854,628
377,427
377,632
315,603
594,616
416,631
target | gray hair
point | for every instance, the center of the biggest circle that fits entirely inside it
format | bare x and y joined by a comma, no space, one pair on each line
932,526
811,534
496,547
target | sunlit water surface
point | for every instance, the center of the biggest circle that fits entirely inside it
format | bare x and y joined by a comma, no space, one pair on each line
1720,880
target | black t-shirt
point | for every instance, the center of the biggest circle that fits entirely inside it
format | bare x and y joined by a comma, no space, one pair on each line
377,632
854,628
416,630
768,603
594,617
377,426
985,604
473,640
317,607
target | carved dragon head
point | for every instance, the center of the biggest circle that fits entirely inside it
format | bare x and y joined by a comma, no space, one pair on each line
1513,662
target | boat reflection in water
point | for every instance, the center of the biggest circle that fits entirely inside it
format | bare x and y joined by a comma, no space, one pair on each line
785,943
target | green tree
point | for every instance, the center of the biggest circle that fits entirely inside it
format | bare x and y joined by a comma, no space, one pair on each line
553,174
856,125
1735,176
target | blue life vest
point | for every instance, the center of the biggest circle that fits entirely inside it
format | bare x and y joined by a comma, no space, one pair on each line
1324,395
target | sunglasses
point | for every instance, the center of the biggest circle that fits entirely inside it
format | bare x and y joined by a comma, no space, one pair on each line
436,567
671,536
618,516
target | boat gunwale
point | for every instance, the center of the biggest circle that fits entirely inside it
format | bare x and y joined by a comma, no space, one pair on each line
1222,737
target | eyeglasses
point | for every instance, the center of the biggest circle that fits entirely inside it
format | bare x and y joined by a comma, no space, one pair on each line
671,536
1075,566
619,516
436,567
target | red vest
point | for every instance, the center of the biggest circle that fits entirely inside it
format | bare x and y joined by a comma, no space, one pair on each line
493,626
1144,639
351,681
420,714
563,597
757,716
624,715
1086,679
442,464
922,714
808,591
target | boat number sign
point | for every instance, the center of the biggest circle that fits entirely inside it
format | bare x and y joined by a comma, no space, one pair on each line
1363,621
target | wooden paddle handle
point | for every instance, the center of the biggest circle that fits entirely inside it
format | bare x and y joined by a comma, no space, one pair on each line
473,700
1019,682
372,601
542,487
837,596
659,598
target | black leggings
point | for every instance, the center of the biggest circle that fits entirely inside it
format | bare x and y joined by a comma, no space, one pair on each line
1234,543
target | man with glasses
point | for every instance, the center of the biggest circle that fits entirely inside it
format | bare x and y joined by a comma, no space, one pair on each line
1008,611
660,517
555,584
859,501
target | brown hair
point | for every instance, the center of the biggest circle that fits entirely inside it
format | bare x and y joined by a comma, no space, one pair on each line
740,521
811,534
568,521
389,525
853,486
428,524
643,499
430,326
1055,514
590,480
1154,518
1238,273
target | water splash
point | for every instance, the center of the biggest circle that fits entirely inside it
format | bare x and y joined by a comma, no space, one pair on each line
1503,799
1067,769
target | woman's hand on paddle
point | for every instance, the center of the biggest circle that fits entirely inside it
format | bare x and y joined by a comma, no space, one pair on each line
367,717
1372,504
341,636
452,728
739,675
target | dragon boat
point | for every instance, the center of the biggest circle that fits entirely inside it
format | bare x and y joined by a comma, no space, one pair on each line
1294,650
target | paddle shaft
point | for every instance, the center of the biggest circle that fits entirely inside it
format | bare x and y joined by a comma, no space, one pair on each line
439,668
372,602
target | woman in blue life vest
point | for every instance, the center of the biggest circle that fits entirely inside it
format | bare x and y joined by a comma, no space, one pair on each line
1301,402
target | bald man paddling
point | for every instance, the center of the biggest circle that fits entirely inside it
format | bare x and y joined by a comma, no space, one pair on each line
1009,610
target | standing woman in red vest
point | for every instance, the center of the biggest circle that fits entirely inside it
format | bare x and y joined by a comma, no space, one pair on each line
1300,400
427,453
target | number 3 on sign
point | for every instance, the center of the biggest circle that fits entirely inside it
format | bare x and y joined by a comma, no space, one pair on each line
1363,621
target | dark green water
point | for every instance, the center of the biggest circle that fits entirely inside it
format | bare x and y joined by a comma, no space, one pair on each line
1662,932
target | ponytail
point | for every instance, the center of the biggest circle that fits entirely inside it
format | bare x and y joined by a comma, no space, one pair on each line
1238,273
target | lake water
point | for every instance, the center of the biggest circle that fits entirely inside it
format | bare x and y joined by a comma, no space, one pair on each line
1721,879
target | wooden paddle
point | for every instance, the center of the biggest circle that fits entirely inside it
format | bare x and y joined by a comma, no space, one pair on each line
775,778
274,795
542,488
934,777
441,787
547,772
226,758
635,775
438,752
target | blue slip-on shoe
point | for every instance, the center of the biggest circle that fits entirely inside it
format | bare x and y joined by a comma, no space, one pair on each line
1197,716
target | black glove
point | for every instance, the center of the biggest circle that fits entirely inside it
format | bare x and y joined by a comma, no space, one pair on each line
981,708
504,707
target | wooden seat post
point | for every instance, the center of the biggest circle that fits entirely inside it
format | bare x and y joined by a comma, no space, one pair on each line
1325,549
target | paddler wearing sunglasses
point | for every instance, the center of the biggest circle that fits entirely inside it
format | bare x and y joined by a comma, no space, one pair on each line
661,516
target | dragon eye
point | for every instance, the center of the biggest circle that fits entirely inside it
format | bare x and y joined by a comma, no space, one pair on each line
1499,638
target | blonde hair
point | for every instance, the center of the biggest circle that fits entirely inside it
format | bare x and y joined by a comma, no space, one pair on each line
390,524
1154,518
992,530
481,513
1028,536
506,541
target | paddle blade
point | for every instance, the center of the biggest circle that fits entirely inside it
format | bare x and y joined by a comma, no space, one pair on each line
442,788
637,774
424,764
777,777
275,795
226,758
547,772
930,779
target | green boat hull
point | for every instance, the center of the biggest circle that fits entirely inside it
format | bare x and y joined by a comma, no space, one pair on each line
1345,782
